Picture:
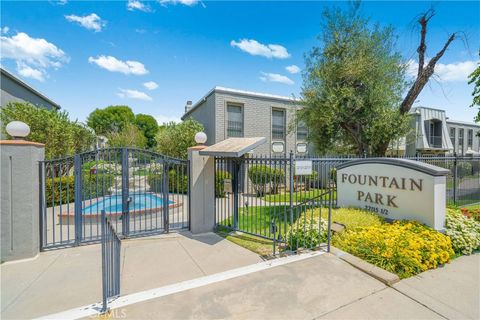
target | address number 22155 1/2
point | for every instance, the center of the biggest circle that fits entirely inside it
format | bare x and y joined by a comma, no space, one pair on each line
377,210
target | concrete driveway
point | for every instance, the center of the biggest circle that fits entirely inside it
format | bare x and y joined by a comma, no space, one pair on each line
63,279
319,287
323,287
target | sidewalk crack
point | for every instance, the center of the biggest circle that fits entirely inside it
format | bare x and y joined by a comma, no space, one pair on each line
191,257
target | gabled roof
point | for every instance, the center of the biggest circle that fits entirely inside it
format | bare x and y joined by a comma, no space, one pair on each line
7,74
243,93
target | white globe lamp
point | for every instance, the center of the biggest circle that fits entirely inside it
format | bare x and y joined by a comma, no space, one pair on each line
200,138
17,129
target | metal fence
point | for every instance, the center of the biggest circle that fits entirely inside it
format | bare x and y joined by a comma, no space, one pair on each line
260,195
142,192
463,181
263,196
111,252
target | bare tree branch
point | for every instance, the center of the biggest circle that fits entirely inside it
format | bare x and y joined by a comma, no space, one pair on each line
424,72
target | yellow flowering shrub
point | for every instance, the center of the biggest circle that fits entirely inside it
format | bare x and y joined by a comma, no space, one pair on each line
405,248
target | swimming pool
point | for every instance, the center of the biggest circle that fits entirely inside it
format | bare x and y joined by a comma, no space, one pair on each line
144,202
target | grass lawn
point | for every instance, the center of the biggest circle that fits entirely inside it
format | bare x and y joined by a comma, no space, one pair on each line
260,246
298,196
258,220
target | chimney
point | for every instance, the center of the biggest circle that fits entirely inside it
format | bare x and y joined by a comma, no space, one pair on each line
188,106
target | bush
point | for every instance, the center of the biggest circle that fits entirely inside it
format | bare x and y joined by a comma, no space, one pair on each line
59,193
308,181
353,218
306,234
60,135
405,248
90,189
220,176
101,167
464,168
464,232
262,176
177,182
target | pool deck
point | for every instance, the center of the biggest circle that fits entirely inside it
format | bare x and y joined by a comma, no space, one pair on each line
62,279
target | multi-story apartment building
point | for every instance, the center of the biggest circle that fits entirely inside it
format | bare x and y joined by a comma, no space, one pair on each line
15,90
434,133
227,113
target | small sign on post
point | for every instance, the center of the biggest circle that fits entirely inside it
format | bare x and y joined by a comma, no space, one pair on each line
303,167
227,185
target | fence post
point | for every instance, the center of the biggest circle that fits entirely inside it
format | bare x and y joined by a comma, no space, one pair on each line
330,194
455,178
104,267
236,169
77,172
291,186
125,195
165,189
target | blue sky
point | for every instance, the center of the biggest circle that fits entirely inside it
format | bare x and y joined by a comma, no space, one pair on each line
156,55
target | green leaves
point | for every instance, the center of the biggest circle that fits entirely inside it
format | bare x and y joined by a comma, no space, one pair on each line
174,139
53,128
353,86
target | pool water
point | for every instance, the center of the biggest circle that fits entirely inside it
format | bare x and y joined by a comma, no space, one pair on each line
112,204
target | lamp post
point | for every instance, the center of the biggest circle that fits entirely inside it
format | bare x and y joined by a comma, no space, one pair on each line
18,130
200,138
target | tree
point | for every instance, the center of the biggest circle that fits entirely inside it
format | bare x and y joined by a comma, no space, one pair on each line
173,139
129,136
353,85
475,79
149,126
425,69
60,135
110,119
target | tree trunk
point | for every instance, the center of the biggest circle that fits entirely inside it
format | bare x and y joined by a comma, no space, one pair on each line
424,72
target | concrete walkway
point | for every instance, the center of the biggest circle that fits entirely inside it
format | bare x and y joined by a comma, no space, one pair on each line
324,287
63,279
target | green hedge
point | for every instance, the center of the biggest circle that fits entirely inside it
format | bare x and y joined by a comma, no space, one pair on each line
261,176
177,182
67,183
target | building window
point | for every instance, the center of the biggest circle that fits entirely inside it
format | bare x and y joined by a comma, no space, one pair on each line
452,136
470,138
302,131
235,121
460,140
278,124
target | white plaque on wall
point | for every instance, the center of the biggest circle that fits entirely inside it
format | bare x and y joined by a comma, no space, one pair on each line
303,167
398,189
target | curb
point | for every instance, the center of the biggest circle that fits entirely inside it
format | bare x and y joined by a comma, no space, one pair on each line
384,276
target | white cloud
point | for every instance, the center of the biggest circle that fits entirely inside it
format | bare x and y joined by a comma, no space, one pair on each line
256,48
162,119
137,5
134,94
114,65
29,72
5,30
457,71
32,55
275,77
184,2
292,69
91,22
150,85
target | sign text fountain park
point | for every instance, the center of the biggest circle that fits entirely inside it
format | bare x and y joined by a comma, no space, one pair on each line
397,189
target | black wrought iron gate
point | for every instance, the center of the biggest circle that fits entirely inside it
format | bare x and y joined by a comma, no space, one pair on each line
270,198
142,193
